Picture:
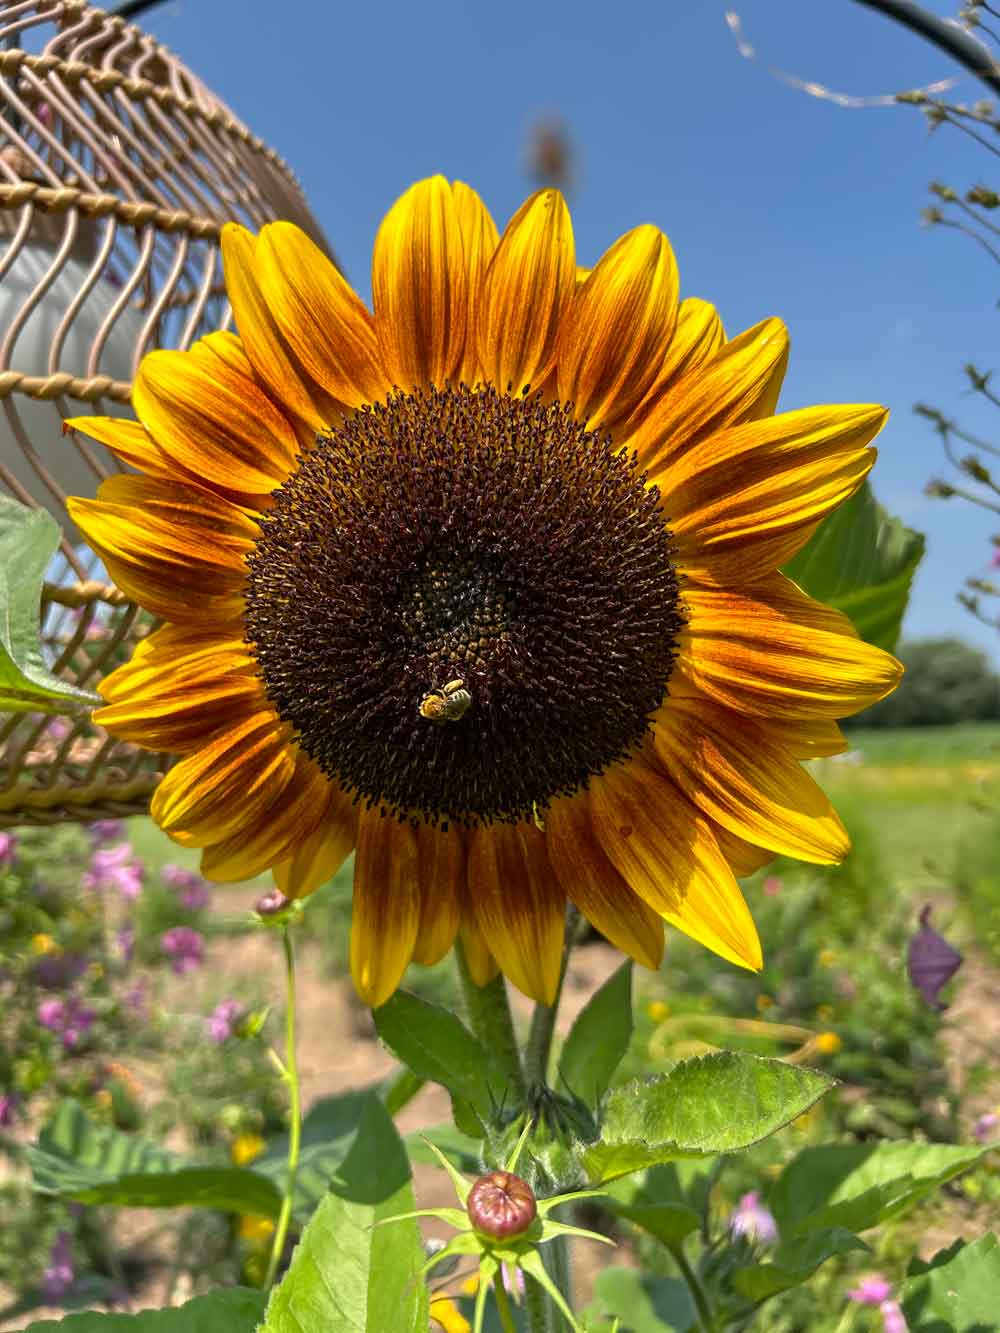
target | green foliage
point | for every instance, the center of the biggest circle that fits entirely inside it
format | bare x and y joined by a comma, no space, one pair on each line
862,561
349,1274
598,1040
977,878
236,1310
28,540
958,1291
717,1103
644,1304
947,681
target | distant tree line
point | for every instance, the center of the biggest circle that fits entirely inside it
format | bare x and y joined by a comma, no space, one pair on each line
946,681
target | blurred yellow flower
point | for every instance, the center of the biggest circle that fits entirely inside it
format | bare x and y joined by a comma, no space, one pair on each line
826,958
658,1011
42,943
255,1229
764,1002
446,1314
828,1043
246,1147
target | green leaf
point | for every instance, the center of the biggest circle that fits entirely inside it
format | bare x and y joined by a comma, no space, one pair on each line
643,1304
711,1104
28,540
436,1045
667,1201
794,1263
228,1310
347,1274
862,562
598,1039
860,1185
463,1151
960,1295
77,1158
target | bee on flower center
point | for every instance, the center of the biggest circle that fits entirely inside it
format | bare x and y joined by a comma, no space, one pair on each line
449,703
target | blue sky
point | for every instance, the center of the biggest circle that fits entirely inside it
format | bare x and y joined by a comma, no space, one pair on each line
775,202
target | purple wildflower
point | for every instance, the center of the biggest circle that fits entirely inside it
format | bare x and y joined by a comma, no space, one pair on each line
893,1320
191,888
184,947
223,1020
115,868
871,1290
56,971
8,1109
106,830
753,1220
59,1276
136,1000
931,961
8,848
985,1128
125,939
68,1017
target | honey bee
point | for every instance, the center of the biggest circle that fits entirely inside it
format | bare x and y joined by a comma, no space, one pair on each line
449,703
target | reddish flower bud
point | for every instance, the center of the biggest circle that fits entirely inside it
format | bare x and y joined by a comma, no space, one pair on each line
501,1205
273,902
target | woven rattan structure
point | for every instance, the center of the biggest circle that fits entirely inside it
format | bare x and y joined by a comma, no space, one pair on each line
117,171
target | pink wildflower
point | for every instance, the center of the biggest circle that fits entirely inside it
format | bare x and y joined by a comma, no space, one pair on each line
223,1020
106,830
752,1220
8,848
115,868
59,1275
771,886
985,1128
68,1017
184,947
871,1290
191,888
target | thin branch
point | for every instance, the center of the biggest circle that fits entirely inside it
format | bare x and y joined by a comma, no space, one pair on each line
946,36
969,231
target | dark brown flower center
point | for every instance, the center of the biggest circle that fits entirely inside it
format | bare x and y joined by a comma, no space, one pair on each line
464,604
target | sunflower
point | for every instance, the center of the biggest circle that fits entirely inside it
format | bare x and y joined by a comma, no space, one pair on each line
482,585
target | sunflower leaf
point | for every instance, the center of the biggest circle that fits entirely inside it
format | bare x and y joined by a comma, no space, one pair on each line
644,1304
859,1185
794,1262
861,561
347,1273
436,1045
598,1039
711,1104
226,1310
959,1288
28,540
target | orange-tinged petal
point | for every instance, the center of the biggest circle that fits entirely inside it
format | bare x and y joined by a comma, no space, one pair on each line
287,381
225,346
526,292
811,740
320,317
214,422
179,721
744,857
746,500
127,440
667,852
697,337
442,874
386,905
739,383
175,658
518,905
779,654
591,882
738,775
320,855
479,240
420,286
618,328
177,550
478,959
228,783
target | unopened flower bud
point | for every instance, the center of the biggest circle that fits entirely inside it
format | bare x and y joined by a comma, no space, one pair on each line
975,469
271,903
938,490
985,198
501,1205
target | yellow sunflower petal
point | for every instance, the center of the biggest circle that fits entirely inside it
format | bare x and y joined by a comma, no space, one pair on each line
177,550
320,855
793,469
666,851
286,380
420,286
179,721
217,424
526,292
739,383
697,337
228,783
225,346
780,654
744,857
812,739
175,657
734,772
441,857
591,882
386,914
479,241
324,323
480,962
518,905
617,329
127,440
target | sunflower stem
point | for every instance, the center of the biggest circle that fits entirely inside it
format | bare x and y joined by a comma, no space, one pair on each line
538,1052
489,1014
503,1304
536,1306
291,1077
706,1320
